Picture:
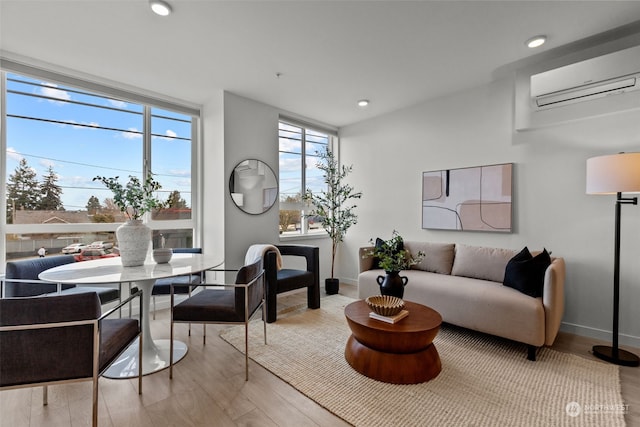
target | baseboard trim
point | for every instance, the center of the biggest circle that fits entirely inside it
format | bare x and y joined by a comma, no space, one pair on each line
600,334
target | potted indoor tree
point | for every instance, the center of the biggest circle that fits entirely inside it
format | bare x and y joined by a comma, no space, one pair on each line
133,199
333,207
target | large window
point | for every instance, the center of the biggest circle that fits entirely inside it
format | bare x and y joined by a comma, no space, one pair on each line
298,152
59,136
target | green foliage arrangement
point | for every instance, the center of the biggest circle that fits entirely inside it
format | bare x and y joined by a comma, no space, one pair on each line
334,206
391,254
135,198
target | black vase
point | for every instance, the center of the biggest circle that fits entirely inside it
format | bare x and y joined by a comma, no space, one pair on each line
392,284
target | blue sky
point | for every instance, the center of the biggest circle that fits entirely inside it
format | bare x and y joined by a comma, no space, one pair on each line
90,141
290,164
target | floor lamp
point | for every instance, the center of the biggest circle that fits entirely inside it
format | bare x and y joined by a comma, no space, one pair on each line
615,174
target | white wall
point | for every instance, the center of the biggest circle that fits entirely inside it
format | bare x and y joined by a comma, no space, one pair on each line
210,159
251,132
551,209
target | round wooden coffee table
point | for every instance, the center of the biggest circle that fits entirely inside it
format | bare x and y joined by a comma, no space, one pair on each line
399,353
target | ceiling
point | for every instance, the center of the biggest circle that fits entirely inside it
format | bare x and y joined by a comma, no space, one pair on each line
329,54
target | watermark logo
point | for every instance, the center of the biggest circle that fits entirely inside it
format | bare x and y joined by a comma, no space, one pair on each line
575,409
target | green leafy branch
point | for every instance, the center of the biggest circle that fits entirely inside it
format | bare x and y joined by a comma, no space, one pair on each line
135,198
391,254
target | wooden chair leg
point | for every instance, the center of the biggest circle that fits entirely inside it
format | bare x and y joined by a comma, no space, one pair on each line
45,395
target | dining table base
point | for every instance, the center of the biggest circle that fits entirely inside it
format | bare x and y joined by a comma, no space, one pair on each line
154,359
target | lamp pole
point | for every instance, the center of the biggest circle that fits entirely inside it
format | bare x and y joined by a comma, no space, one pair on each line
614,354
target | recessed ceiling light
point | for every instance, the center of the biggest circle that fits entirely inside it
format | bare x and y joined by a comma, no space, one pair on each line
363,103
536,41
160,7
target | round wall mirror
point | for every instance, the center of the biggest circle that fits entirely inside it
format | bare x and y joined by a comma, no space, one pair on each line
253,186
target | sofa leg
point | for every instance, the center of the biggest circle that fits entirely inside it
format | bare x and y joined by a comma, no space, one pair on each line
531,352
313,296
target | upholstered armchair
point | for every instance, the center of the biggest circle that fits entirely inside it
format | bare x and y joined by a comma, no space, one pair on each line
235,304
285,279
21,280
61,338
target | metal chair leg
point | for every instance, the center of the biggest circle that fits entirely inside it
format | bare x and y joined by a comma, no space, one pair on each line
246,350
171,338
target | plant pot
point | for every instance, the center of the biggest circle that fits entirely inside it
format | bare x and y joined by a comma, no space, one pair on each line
134,240
332,286
392,284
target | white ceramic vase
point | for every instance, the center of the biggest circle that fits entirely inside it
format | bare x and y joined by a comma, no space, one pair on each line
134,240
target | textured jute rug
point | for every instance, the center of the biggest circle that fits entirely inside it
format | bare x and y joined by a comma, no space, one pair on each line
485,381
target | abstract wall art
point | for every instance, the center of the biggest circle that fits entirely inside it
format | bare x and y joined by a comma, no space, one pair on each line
474,198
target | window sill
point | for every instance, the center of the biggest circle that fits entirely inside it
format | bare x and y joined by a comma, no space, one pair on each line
304,237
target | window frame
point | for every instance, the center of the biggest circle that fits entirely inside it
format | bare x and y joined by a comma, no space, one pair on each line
148,103
332,144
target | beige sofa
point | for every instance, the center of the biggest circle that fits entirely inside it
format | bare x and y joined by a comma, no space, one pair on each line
464,284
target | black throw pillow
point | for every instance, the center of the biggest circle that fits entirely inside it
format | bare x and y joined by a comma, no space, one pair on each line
525,272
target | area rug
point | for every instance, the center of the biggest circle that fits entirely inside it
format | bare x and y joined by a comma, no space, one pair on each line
485,381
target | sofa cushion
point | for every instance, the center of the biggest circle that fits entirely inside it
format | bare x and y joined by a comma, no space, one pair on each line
476,304
525,272
438,256
481,262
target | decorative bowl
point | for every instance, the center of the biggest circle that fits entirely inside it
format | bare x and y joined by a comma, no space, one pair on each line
385,305
162,255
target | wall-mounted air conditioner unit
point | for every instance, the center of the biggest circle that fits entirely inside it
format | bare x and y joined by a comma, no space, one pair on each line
606,75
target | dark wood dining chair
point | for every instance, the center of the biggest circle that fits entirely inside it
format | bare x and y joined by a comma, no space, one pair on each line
59,339
234,304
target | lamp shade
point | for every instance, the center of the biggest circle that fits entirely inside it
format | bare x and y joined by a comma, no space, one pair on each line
615,173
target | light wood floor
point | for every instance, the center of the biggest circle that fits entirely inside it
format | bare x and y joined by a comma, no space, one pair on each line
208,389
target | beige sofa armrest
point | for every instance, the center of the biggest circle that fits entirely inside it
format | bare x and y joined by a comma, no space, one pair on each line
553,298
366,261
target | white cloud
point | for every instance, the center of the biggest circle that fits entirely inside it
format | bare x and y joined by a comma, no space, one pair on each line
169,135
82,125
76,181
46,163
289,145
116,103
289,165
13,154
51,90
133,134
180,172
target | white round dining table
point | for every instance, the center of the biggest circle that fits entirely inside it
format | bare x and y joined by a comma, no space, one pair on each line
155,352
